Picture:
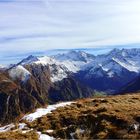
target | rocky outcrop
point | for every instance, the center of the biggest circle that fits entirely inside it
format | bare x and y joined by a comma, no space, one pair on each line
31,88
69,89
18,97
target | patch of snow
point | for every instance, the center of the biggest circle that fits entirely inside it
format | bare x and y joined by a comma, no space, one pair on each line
7,127
2,66
113,66
72,135
45,137
19,72
110,74
58,72
104,69
136,126
45,60
22,125
43,111
81,131
26,131
49,131
72,66
127,66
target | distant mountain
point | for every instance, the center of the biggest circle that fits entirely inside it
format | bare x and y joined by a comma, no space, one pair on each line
35,81
74,60
111,71
30,59
75,56
126,58
107,72
61,65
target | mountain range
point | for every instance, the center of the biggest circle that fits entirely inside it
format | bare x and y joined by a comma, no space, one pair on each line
39,80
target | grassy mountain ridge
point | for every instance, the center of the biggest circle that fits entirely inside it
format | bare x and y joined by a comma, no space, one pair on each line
112,117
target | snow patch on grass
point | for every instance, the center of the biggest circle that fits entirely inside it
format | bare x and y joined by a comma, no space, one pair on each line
44,137
7,127
43,111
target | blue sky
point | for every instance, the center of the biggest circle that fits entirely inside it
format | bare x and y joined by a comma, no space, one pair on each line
35,26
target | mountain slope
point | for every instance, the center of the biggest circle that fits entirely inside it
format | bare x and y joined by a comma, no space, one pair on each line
69,89
133,86
20,94
75,56
24,88
36,81
113,117
109,72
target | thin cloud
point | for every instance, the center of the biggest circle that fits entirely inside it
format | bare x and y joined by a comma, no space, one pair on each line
33,25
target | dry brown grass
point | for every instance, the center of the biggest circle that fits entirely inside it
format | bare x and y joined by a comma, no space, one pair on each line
18,135
93,118
101,117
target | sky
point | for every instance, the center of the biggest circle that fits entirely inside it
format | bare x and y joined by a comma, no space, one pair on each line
38,26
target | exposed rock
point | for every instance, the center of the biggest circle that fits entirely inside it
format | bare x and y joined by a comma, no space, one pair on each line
18,96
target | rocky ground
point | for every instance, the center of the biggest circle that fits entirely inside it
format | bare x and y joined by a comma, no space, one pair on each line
113,117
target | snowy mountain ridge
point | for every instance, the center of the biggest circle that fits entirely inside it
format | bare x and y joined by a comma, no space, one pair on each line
20,73
109,64
75,56
60,65
116,60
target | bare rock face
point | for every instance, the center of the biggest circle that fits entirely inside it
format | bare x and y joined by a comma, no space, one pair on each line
25,88
8,90
18,97
69,89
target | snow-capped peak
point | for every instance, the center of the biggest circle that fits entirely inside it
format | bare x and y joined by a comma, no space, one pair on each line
20,73
114,51
125,52
62,64
115,62
127,58
45,60
75,56
73,61
30,59
2,66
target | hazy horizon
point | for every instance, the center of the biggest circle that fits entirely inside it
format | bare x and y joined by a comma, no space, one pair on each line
36,26
9,59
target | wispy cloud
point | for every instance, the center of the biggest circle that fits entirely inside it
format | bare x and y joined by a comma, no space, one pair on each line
33,25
